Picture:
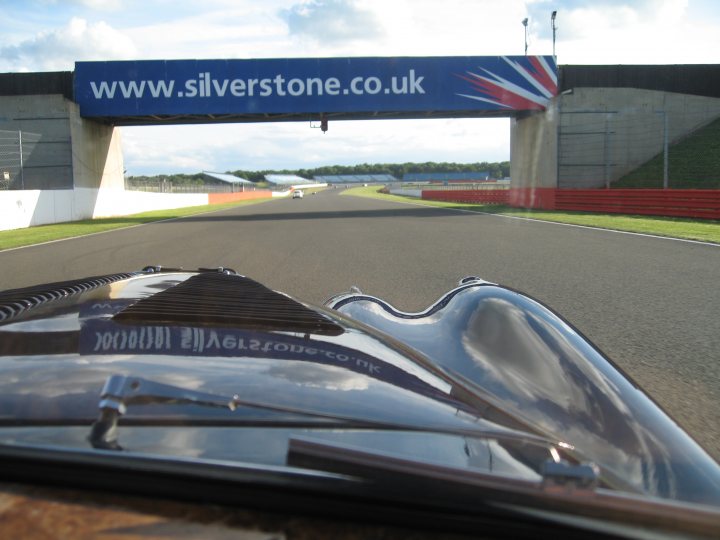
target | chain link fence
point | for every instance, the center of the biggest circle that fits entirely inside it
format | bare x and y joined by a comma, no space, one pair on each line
458,186
650,148
166,186
11,161
15,147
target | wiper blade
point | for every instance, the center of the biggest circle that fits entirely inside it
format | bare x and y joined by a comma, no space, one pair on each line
564,493
558,476
121,391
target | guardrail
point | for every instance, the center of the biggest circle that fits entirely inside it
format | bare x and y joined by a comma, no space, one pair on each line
697,203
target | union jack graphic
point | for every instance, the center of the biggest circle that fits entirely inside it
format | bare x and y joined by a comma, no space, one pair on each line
532,87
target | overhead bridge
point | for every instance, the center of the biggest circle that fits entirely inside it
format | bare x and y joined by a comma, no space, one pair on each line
322,89
59,128
576,126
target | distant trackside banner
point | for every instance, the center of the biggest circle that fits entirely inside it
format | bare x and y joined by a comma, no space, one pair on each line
305,85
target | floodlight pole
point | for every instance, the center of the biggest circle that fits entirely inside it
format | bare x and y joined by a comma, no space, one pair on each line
554,28
525,23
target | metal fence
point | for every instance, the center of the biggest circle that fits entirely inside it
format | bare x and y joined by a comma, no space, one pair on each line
599,148
500,184
166,186
15,146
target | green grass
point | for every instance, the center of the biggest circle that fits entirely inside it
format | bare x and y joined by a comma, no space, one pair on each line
686,228
691,229
693,163
47,233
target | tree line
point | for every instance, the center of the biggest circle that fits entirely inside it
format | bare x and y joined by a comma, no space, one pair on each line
495,169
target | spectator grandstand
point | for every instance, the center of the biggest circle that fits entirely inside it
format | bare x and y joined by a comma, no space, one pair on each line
227,178
287,179
463,177
356,178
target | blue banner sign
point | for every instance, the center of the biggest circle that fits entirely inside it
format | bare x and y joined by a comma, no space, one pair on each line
319,85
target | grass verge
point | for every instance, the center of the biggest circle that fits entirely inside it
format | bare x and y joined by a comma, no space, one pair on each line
58,231
694,163
685,228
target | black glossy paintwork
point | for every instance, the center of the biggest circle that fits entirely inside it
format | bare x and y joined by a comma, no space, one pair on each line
54,362
513,357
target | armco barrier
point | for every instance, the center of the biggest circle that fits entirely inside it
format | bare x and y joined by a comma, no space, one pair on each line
694,203
539,198
697,203
476,196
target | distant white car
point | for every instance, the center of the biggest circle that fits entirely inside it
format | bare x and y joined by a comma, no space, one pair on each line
297,194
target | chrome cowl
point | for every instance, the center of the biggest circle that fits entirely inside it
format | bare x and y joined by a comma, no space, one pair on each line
517,356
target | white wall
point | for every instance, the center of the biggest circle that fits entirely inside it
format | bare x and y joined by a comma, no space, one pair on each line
118,202
19,209
407,192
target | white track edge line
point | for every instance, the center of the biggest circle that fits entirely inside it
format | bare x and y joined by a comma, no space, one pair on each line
108,231
646,235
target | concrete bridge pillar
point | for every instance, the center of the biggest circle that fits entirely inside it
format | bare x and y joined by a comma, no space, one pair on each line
533,158
97,160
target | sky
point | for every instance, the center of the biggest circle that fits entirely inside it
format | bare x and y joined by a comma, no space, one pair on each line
50,35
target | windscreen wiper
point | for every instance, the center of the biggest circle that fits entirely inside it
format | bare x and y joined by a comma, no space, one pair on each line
122,391
564,493
557,474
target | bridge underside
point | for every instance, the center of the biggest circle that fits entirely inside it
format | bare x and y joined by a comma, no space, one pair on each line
298,117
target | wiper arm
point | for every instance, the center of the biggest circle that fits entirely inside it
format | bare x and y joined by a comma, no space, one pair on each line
121,391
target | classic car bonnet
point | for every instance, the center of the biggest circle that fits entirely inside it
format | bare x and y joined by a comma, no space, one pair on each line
482,349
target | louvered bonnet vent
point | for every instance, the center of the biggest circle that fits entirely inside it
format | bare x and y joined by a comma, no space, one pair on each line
17,302
227,300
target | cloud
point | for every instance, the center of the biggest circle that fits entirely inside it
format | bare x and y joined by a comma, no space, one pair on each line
249,30
625,32
59,49
223,147
457,27
111,5
332,21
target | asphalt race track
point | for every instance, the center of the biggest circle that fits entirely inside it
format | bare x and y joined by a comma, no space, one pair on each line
651,304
